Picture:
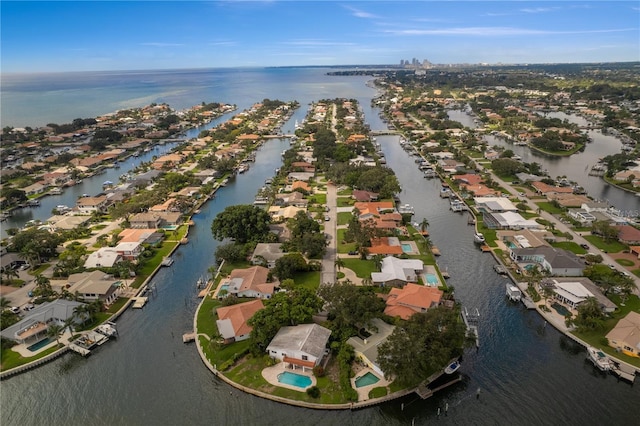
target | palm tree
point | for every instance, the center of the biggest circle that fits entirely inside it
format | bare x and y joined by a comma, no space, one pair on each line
10,274
424,225
339,263
43,286
55,330
81,312
4,303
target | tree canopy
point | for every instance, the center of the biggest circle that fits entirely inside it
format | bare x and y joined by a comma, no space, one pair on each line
422,345
242,223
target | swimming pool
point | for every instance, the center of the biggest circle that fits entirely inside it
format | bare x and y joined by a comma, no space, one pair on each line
39,345
407,248
294,379
224,287
432,279
366,380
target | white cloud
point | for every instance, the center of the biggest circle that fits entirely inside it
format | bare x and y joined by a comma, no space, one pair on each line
360,13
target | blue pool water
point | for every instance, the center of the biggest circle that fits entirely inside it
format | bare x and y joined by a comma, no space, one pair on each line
294,379
224,287
367,379
432,279
39,345
406,248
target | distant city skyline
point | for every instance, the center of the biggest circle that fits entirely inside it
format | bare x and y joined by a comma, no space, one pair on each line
46,36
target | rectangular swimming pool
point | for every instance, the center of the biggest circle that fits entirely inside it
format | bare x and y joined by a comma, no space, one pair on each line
432,279
39,345
406,248
294,379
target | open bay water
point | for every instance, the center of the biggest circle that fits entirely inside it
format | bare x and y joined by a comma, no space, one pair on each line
528,374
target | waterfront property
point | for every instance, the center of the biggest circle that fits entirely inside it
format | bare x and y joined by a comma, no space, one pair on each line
411,299
232,320
301,346
555,261
397,272
366,349
625,336
249,282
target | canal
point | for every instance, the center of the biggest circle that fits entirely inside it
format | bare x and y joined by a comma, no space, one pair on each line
527,373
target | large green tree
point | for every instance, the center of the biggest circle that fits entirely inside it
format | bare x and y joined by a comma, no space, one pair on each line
283,309
242,223
350,307
422,345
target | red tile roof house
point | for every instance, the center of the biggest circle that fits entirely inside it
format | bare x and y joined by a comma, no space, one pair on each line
628,234
364,196
382,246
543,188
232,320
411,299
250,282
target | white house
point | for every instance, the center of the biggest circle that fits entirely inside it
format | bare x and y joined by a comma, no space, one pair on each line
397,272
302,345
103,257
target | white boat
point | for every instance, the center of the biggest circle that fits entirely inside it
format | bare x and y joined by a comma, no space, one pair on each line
445,193
55,191
167,261
478,238
108,329
406,209
513,293
429,174
452,368
599,359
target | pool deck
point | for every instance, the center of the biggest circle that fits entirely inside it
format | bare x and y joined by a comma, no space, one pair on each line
363,392
270,374
22,348
430,269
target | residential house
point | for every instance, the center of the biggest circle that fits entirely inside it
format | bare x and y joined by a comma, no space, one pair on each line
36,188
494,204
625,336
104,257
145,221
387,246
411,299
574,291
250,282
129,250
302,345
508,220
89,205
284,213
35,324
232,320
95,285
143,236
555,261
302,176
366,349
627,234
267,252
546,189
295,199
397,272
364,196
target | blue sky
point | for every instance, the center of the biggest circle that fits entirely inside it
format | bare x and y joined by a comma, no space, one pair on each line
116,35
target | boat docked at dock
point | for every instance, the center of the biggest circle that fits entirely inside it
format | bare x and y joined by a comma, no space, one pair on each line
599,359
445,193
478,238
167,261
108,329
513,293
429,174
406,209
500,270
457,205
452,368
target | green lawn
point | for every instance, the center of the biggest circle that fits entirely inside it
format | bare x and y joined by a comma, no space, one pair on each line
625,262
362,268
308,280
608,247
318,199
344,218
549,208
11,359
595,338
346,247
570,246
344,201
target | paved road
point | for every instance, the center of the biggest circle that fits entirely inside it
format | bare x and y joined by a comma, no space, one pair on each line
328,275
562,227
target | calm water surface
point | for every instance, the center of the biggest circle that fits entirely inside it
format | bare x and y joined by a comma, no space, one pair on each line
527,373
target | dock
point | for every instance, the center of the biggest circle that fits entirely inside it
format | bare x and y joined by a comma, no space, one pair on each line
139,302
624,372
471,320
500,270
435,250
188,337
167,261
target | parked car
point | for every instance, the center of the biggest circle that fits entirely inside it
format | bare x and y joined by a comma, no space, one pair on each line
585,246
15,309
327,218
28,307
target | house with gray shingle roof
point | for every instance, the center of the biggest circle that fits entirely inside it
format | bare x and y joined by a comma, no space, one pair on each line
302,345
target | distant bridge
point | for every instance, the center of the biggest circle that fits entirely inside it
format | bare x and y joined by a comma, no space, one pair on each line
384,132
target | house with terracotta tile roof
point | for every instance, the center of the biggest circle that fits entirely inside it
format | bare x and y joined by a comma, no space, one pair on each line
411,299
628,234
545,189
386,246
232,320
250,282
301,185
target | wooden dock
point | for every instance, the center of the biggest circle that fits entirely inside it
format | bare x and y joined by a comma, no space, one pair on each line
624,372
139,302
188,337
